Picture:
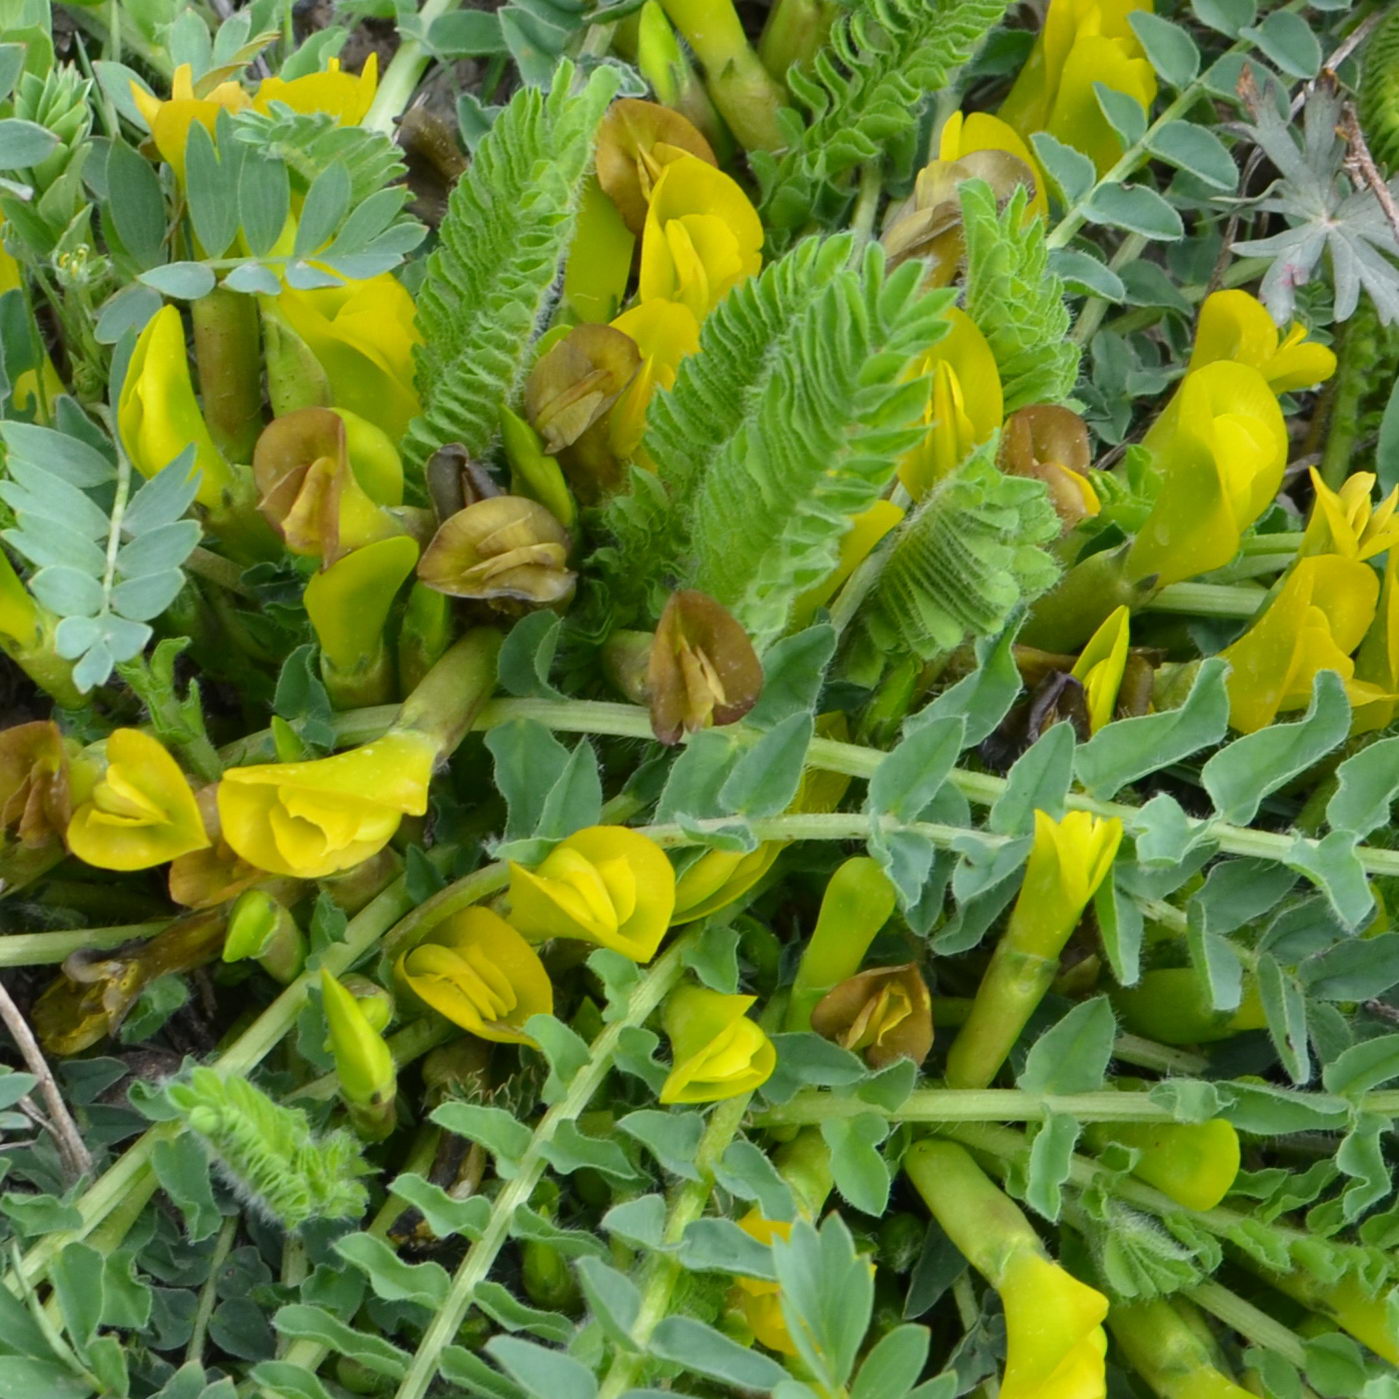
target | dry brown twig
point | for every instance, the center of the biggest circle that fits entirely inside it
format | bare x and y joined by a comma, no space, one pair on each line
72,1151
1360,164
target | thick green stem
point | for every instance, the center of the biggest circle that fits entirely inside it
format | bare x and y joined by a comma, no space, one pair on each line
742,89
1249,1322
824,754
228,357
795,31
648,993
48,949
1207,600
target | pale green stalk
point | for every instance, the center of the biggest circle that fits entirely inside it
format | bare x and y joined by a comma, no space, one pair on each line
47,949
648,993
400,80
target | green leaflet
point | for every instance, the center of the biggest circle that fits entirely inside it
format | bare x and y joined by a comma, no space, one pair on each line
309,143
508,224
269,1153
963,560
1379,94
814,441
864,92
1016,302
787,422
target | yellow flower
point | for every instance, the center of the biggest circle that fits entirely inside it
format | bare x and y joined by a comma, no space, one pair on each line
719,878
1235,325
717,1051
1100,666
158,414
964,133
1347,522
362,334
702,237
1220,447
1069,859
170,121
479,973
1055,1344
603,884
1082,42
349,602
346,96
1314,623
313,818
759,1300
664,332
140,813
965,403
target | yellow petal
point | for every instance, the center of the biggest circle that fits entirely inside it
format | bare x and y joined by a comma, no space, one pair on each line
142,810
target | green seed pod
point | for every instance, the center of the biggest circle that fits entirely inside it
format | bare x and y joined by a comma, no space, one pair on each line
1379,94
548,1280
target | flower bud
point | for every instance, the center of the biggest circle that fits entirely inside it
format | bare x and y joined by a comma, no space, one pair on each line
141,811
716,1050
604,884
857,903
363,1063
262,930
349,604
504,550
35,798
1195,1163
478,972
158,415
703,669
1101,665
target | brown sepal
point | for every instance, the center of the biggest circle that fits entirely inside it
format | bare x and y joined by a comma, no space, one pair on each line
703,669
884,1014
633,141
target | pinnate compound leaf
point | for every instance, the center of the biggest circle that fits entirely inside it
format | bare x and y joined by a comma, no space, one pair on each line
509,221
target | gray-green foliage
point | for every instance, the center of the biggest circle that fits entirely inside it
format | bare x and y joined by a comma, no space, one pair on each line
1015,300
863,93
788,422
269,1153
508,225
106,572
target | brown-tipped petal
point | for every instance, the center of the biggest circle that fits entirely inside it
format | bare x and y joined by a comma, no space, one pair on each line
929,225
507,547
703,669
35,801
1050,444
299,466
635,141
575,382
885,1014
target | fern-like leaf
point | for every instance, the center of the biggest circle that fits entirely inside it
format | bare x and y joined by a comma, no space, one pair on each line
509,222
963,560
268,1152
1379,94
1016,302
864,92
308,143
790,420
